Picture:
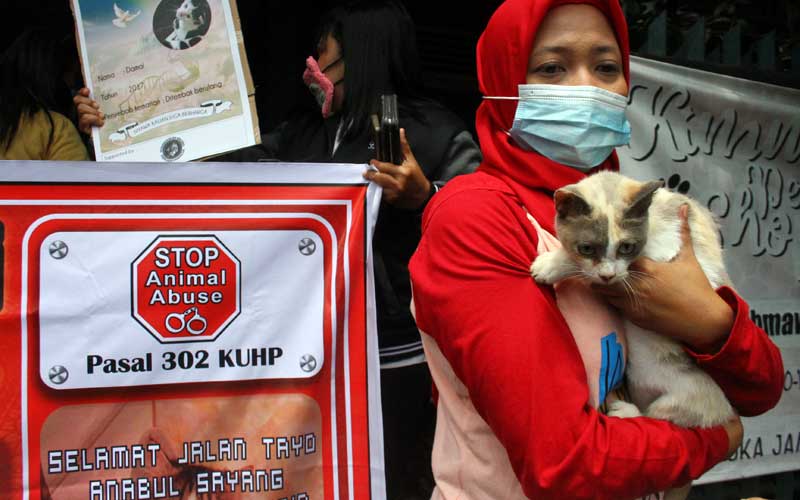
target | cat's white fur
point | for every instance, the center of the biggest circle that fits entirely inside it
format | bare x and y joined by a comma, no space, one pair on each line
662,379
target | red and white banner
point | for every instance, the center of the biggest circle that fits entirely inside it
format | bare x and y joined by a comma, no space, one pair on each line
188,331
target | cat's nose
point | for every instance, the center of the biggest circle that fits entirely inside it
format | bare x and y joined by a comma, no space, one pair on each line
606,277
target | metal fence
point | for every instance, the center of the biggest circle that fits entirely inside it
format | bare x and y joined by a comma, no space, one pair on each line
766,48
761,53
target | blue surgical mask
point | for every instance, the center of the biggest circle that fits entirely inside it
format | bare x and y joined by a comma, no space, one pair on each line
577,126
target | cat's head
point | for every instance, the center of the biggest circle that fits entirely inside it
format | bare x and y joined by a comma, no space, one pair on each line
186,9
602,223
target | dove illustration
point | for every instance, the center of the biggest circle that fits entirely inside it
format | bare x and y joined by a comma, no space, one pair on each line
123,17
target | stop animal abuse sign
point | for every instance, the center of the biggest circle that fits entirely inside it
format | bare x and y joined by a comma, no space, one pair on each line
185,288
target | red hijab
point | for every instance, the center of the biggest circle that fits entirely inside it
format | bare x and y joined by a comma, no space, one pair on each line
503,52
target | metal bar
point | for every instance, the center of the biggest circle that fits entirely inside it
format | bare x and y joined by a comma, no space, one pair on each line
694,42
732,46
765,51
656,43
796,59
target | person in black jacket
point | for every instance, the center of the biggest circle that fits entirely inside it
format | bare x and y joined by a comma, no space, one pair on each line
366,49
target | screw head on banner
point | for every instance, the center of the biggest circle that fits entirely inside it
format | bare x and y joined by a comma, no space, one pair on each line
307,246
186,288
308,363
58,249
58,374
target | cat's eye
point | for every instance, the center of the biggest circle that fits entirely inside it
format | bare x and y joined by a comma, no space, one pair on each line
626,248
586,250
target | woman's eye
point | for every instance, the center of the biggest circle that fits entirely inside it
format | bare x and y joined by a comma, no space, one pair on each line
550,69
586,250
609,68
626,248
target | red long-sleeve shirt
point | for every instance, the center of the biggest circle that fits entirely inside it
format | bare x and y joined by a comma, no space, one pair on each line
507,342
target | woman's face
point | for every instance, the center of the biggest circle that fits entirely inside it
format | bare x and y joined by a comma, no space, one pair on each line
575,45
331,63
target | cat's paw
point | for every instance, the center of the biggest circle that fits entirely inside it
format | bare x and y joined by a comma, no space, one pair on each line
623,409
546,268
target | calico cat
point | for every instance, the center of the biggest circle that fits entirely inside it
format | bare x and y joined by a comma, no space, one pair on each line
604,223
191,22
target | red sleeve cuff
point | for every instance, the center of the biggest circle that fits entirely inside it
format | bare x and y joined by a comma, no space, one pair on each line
740,311
719,445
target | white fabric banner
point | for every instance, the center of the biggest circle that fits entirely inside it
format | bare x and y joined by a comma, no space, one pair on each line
734,145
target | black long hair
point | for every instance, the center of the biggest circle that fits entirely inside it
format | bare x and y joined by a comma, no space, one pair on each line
30,80
379,48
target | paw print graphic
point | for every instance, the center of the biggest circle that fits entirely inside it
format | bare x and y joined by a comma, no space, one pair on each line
674,183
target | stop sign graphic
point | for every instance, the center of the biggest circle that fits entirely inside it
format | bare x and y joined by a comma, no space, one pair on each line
185,288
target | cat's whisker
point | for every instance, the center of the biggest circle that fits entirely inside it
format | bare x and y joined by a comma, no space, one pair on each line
631,293
627,287
573,272
644,277
643,281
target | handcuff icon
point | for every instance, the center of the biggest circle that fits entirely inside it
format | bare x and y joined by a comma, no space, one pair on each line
186,324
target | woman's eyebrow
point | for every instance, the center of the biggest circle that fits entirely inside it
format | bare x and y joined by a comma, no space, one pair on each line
568,49
604,49
554,49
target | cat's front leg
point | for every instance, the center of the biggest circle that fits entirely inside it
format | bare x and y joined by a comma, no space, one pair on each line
550,267
623,409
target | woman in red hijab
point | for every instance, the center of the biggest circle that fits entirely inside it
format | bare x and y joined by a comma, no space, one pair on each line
514,412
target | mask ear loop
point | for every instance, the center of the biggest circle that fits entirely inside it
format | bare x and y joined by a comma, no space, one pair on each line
323,70
502,98
332,63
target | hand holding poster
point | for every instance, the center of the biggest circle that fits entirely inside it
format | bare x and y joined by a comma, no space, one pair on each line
170,77
161,341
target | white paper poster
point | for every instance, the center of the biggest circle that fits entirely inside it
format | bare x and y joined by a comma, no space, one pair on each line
169,76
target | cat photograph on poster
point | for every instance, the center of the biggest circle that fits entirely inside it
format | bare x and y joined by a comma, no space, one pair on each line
181,24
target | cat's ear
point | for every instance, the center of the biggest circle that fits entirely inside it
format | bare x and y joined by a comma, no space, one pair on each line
570,204
641,201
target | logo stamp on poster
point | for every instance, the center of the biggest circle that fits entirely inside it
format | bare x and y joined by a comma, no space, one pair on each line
185,288
172,149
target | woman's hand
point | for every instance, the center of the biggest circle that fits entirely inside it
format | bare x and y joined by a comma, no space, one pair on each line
405,185
89,114
735,432
675,299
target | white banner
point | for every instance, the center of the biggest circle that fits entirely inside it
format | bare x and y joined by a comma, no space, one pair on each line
734,145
